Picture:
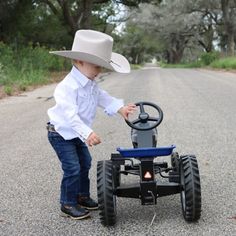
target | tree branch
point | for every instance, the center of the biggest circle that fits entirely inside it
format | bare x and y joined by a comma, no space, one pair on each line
51,6
100,1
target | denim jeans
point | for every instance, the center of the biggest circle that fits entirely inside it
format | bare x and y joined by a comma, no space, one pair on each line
75,162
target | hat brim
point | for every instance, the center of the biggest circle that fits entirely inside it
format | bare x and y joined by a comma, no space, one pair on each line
117,63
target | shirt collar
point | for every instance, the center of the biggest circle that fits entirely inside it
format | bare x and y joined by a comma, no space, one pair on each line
82,79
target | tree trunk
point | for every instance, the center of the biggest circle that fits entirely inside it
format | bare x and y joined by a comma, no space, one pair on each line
67,16
175,53
228,26
175,57
230,44
86,14
77,19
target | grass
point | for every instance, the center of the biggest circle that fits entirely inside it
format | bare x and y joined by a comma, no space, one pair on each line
182,65
12,80
30,66
135,66
225,63
228,63
27,67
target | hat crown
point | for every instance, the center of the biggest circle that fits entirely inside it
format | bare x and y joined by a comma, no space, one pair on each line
94,43
96,48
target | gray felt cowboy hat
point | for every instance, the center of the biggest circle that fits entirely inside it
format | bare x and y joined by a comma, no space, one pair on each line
96,48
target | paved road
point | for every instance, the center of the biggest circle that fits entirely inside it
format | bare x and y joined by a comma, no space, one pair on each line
199,117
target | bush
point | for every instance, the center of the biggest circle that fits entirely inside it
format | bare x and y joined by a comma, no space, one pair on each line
196,64
208,58
6,54
225,63
39,58
27,66
8,90
2,75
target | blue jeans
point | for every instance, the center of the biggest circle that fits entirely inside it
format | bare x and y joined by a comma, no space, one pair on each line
75,162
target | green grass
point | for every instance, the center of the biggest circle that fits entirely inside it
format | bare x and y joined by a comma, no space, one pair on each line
221,63
27,66
197,64
135,66
224,63
30,66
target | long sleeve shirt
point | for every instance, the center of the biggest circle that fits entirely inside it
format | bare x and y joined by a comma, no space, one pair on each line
77,98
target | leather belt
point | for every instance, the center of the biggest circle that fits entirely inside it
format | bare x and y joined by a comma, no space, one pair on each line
51,128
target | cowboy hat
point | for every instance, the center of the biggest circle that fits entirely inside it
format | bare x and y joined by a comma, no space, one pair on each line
96,48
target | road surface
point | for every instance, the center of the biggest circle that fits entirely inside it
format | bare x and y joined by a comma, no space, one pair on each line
199,118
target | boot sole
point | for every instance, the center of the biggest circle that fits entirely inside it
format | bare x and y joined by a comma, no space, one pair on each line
63,214
89,208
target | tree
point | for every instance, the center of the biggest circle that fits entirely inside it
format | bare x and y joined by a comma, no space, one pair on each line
9,11
218,22
210,18
55,21
137,44
78,14
23,22
190,24
170,27
229,20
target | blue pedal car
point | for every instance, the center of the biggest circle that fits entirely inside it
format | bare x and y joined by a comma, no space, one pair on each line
182,175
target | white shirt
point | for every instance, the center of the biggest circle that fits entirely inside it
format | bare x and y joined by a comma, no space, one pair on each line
77,98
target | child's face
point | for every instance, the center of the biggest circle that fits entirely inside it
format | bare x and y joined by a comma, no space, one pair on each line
88,69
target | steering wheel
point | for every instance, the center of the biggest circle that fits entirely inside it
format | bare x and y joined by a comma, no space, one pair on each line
144,117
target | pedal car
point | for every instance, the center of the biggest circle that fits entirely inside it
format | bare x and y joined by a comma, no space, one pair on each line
181,175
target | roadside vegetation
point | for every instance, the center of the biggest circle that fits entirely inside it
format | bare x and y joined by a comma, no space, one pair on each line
27,67
183,34
207,60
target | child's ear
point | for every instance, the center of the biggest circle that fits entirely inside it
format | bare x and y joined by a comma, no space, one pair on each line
78,62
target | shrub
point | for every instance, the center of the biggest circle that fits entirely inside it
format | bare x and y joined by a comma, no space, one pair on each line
225,63
3,77
6,54
8,90
27,66
208,58
38,58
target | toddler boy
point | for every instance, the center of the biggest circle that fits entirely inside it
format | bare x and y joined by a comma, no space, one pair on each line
69,129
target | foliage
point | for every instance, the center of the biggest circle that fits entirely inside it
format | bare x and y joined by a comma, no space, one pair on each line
137,44
6,54
208,58
219,63
2,74
27,66
8,90
24,22
195,26
196,64
181,32
135,66
29,57
225,63
169,27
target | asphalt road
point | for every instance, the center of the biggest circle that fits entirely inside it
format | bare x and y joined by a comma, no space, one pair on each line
199,118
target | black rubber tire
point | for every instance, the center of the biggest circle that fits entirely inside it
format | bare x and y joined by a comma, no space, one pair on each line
174,173
175,161
106,198
116,175
191,193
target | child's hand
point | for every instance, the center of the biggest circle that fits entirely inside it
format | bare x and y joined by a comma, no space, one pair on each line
126,110
93,139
